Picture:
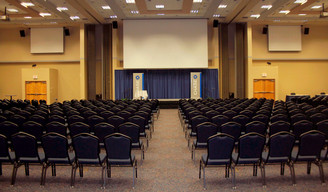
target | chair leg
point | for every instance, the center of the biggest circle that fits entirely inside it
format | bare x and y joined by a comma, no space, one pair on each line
81,170
74,168
53,169
13,177
322,175
308,167
27,170
0,168
44,167
292,172
255,170
136,167
204,181
282,169
133,175
233,175
103,176
263,174
109,171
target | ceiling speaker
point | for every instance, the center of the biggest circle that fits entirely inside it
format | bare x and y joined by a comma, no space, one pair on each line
22,33
265,30
215,23
115,25
306,31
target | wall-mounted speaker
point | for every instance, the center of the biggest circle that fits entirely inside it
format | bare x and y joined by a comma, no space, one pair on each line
22,33
265,30
306,31
215,23
66,32
115,25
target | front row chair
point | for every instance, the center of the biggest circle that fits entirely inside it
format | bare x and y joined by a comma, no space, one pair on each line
219,149
118,149
87,151
26,151
6,156
250,147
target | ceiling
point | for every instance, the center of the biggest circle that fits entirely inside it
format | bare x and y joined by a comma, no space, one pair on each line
225,11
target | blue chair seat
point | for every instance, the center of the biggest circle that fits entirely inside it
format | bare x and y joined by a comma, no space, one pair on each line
215,161
122,161
63,160
93,161
244,160
7,159
137,145
268,159
200,145
33,159
302,157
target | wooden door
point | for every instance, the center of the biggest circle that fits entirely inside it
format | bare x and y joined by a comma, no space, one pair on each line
264,88
36,90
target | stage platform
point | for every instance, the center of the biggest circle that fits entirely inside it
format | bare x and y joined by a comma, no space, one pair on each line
168,103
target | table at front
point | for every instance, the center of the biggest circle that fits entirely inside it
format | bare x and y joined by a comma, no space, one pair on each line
290,97
11,96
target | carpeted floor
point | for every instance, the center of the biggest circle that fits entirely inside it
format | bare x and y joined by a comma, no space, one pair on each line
167,167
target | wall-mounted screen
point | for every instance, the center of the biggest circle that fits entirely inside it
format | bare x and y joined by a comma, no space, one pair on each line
285,38
162,44
47,40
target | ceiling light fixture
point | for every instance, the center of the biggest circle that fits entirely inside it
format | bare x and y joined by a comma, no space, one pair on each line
217,15
12,10
160,14
222,6
197,1
266,7
45,14
134,12
316,7
255,16
300,1
113,16
28,17
302,14
284,11
194,11
62,9
130,1
159,6
105,7
27,4
74,17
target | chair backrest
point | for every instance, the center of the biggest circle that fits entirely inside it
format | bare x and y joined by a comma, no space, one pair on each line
205,130
220,146
241,119
231,128
103,129
317,117
115,120
256,126
230,113
25,145
322,126
17,119
278,127
311,144
106,114
247,112
57,118
297,117
88,113
118,146
75,118
262,118
78,127
2,118
131,130
279,117
4,153
54,145
33,128
302,127
251,146
56,127
8,128
281,144
86,146
124,114
94,120
196,121
211,113
138,120
38,118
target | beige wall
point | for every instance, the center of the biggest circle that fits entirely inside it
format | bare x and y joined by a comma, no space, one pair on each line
304,72
15,55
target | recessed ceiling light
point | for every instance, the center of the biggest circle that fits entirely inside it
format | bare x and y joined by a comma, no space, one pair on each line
276,20
216,15
300,1
134,12
302,14
45,14
113,16
222,6
194,11
74,17
28,17
266,7
62,9
105,7
284,11
130,1
160,14
12,10
316,7
53,22
255,15
197,1
27,4
159,6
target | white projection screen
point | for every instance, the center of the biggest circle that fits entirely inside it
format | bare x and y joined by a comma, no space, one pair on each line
47,40
162,44
285,38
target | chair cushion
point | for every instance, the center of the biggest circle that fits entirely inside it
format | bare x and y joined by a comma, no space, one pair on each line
122,161
323,155
63,160
32,159
93,161
302,158
199,145
137,145
267,159
6,159
215,161
237,160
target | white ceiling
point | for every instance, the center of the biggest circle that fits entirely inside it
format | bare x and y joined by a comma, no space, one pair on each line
91,11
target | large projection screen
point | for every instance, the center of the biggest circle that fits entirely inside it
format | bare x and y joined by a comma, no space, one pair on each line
47,40
285,38
162,44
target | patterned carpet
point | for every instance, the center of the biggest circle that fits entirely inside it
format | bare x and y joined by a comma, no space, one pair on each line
167,167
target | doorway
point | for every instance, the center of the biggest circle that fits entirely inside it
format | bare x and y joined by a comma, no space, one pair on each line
264,88
36,90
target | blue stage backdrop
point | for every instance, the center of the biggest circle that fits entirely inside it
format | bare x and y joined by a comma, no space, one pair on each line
166,84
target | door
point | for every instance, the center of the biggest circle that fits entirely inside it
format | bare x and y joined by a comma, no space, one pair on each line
36,90
264,88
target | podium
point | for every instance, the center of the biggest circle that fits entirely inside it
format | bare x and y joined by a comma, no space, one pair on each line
142,94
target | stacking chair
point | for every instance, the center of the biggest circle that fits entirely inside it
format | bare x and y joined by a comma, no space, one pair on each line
102,130
247,112
230,113
8,128
78,127
297,117
301,127
17,119
124,114
34,129
322,126
309,151
2,118
118,149
88,113
56,127
280,148
75,118
106,114
94,120
242,120
55,147
116,121
57,118
262,118
220,120
26,152
279,117
317,117
138,120
250,149
193,123
278,127
219,150
231,128
38,118
87,153
204,131
256,126
6,156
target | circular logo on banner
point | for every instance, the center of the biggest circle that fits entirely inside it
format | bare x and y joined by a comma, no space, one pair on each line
195,76
137,77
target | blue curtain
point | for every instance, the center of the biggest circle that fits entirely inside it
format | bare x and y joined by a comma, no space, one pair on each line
166,84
